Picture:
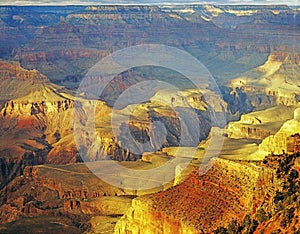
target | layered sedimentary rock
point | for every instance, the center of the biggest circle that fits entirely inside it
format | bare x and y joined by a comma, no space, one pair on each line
32,111
260,124
86,34
37,122
278,143
71,191
228,191
60,52
169,118
36,116
276,78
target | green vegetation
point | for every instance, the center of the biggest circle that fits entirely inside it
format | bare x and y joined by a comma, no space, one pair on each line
248,226
261,215
286,201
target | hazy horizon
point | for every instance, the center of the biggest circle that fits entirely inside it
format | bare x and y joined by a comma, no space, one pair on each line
143,2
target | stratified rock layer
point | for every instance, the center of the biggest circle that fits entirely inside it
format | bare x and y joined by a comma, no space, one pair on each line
278,143
228,191
261,124
72,191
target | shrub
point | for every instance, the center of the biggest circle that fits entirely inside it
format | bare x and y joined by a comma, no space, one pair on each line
261,215
221,230
246,221
233,227
253,226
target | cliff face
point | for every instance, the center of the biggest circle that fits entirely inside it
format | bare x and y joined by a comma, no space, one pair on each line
37,123
169,118
275,79
277,143
29,106
141,218
56,191
260,124
86,34
269,91
200,204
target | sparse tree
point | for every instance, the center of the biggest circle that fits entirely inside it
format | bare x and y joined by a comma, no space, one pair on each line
233,227
253,226
246,221
221,230
261,215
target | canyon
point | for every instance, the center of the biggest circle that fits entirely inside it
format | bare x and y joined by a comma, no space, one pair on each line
37,126
97,31
222,160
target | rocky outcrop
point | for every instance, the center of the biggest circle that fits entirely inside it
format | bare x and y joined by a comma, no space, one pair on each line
242,100
87,34
142,218
269,91
277,143
260,124
41,60
47,112
22,107
15,71
125,15
168,119
275,79
12,167
22,143
228,191
34,113
55,191
57,43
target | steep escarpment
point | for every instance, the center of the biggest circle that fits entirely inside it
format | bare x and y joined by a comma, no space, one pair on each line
28,92
169,118
275,80
228,191
52,51
65,43
270,84
29,104
261,124
119,15
12,76
280,141
36,121
19,25
39,122
277,214
245,100
71,191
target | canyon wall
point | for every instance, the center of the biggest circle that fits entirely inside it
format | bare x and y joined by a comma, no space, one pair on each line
37,123
278,143
73,192
228,191
142,218
260,124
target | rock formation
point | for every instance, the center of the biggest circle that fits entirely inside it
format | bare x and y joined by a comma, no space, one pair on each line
277,143
228,191
46,112
258,47
276,78
260,124
72,192
86,34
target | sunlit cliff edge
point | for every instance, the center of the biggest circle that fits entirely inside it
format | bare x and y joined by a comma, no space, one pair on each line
203,202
